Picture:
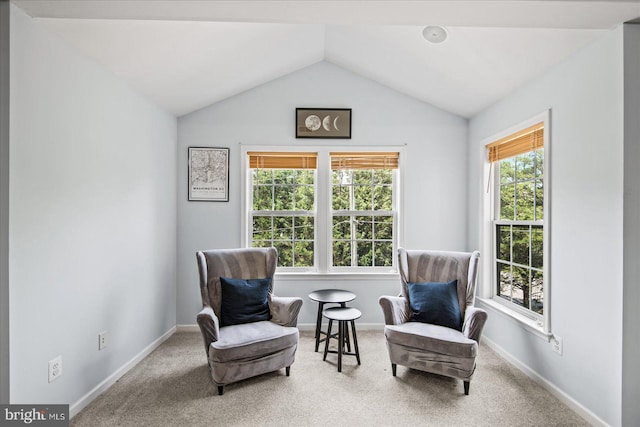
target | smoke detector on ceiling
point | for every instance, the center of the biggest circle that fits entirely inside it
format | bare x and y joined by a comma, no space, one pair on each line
434,33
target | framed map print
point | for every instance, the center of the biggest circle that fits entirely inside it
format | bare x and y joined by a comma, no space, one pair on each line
208,174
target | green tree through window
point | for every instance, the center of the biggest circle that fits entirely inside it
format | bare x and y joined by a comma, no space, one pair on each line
364,215
283,188
519,219
283,205
359,207
363,218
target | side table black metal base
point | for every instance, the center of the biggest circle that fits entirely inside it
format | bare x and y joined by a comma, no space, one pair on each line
329,296
344,316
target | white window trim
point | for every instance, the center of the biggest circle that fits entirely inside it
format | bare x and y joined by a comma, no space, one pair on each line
538,325
323,213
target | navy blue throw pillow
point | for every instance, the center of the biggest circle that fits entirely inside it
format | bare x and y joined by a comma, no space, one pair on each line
244,301
435,303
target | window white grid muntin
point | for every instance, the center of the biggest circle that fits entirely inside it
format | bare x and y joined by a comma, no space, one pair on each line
537,177
538,318
529,226
352,212
273,214
323,211
354,240
541,324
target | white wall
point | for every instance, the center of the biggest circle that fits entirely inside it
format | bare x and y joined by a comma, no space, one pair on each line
4,201
93,203
92,218
631,318
434,182
585,95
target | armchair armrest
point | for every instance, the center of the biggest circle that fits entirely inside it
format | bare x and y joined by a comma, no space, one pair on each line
209,326
395,309
284,310
474,320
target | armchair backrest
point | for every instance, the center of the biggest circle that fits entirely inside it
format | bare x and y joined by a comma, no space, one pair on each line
250,263
418,266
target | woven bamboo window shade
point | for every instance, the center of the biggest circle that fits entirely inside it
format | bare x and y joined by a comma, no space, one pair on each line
529,139
282,160
364,160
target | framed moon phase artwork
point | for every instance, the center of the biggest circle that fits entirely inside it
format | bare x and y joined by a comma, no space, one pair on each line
323,123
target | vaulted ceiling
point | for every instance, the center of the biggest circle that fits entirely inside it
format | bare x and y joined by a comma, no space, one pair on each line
185,55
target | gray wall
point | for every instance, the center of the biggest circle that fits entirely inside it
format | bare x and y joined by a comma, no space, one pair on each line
93,218
585,95
4,200
434,181
92,201
631,314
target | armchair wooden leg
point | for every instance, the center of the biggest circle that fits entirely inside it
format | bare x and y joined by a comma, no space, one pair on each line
466,388
393,369
287,370
220,390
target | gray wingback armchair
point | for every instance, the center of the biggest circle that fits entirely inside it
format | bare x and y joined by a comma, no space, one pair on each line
241,351
429,347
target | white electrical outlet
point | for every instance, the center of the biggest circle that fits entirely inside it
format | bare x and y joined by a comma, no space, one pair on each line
55,368
102,340
556,344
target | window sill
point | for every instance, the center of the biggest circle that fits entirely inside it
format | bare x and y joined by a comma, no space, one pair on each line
313,275
528,324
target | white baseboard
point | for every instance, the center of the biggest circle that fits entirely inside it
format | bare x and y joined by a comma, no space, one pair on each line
585,413
75,408
188,328
301,326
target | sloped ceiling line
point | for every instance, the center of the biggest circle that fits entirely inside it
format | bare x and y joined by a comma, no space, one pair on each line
185,65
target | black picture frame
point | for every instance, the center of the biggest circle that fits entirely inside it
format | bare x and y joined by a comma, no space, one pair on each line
323,123
208,174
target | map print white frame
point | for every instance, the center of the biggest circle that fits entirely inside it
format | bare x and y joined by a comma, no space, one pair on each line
208,174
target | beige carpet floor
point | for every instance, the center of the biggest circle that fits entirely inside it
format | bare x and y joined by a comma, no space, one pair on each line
171,387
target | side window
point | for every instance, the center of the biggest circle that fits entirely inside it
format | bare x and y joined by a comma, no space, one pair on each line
518,223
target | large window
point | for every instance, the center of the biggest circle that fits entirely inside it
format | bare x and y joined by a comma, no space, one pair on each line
283,188
363,214
518,223
325,211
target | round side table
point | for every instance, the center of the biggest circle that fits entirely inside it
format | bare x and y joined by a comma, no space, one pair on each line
344,316
328,296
